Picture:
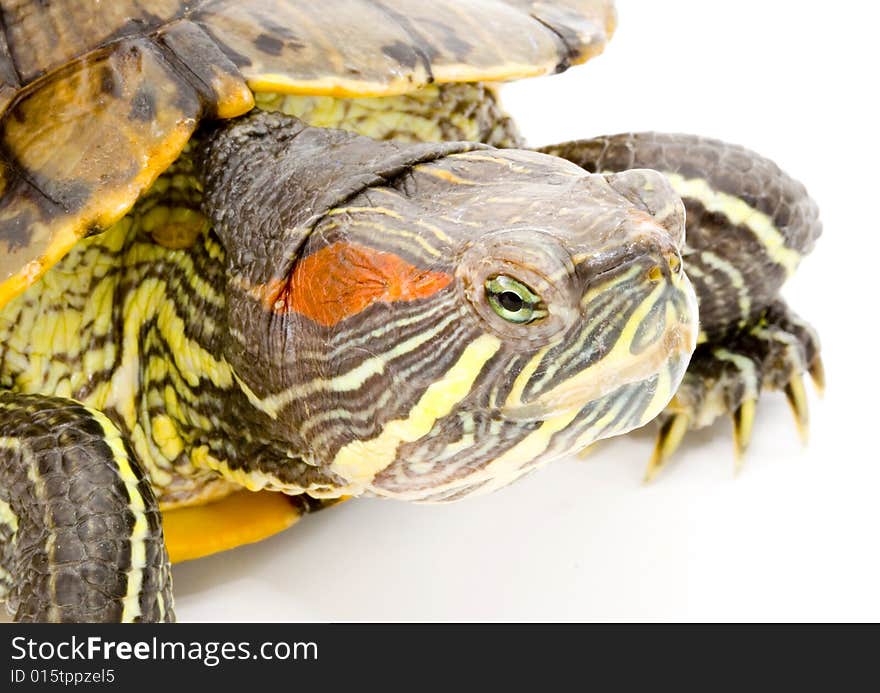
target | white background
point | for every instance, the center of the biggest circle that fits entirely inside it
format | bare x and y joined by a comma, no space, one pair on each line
794,536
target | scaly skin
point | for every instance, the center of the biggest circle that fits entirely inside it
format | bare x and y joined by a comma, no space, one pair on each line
84,534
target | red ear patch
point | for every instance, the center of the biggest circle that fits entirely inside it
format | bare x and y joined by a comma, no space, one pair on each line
343,279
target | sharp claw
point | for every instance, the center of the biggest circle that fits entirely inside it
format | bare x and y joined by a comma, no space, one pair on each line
743,419
671,434
817,373
797,400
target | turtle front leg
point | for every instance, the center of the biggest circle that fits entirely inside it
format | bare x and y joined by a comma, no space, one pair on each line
748,226
80,529
727,376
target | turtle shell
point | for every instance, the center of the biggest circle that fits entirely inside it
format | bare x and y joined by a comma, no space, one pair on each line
98,98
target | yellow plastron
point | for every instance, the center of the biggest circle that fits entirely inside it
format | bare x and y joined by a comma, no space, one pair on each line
242,518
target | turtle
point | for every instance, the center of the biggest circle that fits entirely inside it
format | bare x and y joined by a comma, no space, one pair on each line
261,256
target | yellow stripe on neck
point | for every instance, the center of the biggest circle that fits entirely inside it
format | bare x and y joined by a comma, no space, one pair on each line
360,461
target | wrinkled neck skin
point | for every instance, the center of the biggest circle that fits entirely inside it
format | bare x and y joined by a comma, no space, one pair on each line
137,330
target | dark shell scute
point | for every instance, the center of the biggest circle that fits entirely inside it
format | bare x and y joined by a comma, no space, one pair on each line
269,44
143,105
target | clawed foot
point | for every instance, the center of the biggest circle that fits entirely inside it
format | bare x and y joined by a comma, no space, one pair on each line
727,376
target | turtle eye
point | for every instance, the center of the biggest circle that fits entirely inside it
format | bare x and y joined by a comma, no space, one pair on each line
514,301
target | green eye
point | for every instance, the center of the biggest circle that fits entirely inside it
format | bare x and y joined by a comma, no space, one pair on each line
513,300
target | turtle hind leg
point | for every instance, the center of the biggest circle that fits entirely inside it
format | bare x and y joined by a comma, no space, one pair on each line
727,376
81,530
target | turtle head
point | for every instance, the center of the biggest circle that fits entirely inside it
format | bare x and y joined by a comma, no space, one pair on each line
458,320
567,318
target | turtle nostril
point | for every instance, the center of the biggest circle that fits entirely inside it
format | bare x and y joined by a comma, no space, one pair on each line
673,259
